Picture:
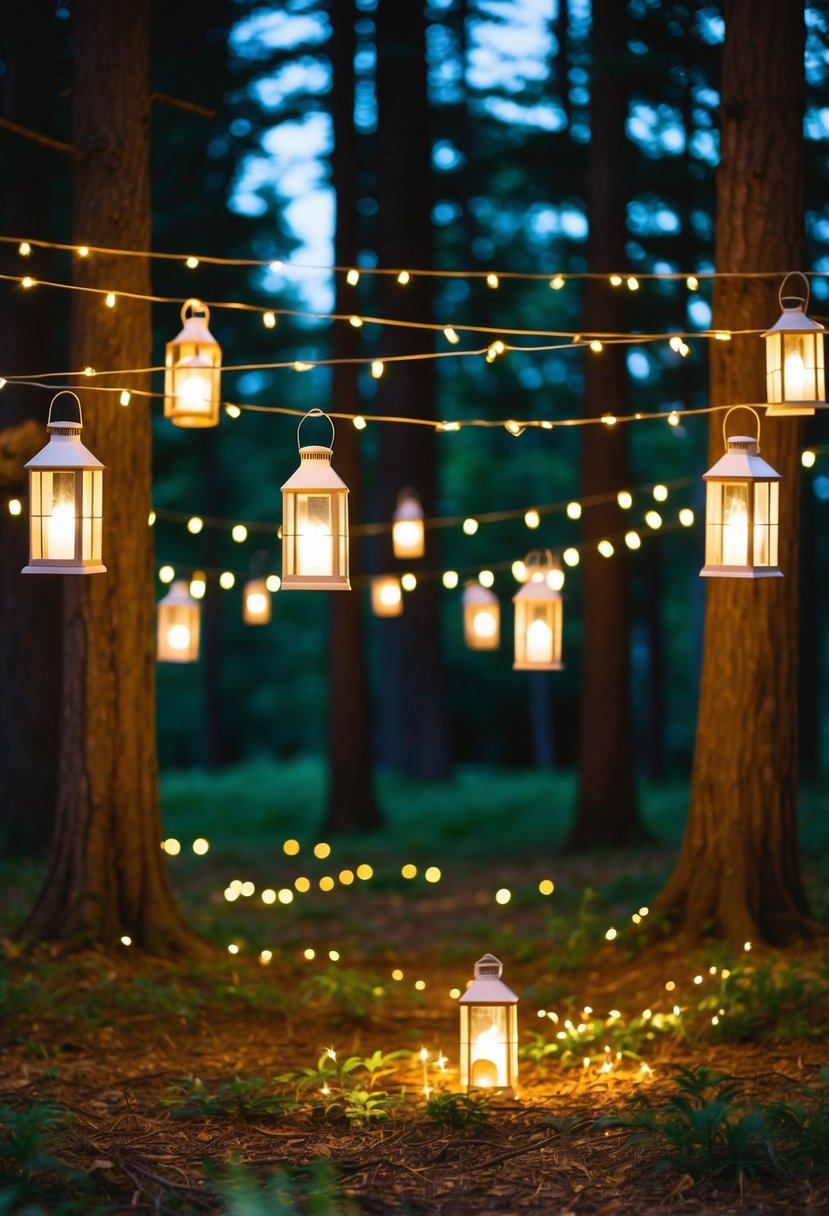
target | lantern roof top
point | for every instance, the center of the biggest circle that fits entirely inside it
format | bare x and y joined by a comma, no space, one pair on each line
741,462
194,327
794,321
488,988
536,589
408,505
179,595
315,473
474,593
64,450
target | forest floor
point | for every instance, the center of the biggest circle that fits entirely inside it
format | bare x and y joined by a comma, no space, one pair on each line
288,1076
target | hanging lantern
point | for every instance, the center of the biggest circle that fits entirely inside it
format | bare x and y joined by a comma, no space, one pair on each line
481,618
179,620
794,356
193,370
65,502
407,531
386,596
741,511
538,615
256,602
489,1030
315,522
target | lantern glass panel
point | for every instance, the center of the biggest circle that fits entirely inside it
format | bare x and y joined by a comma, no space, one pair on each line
315,539
488,1046
407,537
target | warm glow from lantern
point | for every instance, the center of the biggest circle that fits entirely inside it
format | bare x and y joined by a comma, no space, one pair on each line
192,370
484,623
408,535
178,637
488,1041
386,596
60,532
539,642
742,504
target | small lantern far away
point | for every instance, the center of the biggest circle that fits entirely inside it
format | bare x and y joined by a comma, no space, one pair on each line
795,376
538,615
742,510
256,602
193,371
315,522
386,595
489,1031
179,625
481,618
65,501
407,529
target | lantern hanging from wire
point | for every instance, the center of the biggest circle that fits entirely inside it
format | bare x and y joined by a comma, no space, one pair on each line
742,510
178,625
256,602
386,595
315,521
538,615
192,374
407,529
65,500
481,618
489,1030
795,375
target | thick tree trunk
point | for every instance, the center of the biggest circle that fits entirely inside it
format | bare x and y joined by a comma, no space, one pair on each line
352,803
738,876
606,811
107,875
29,675
413,726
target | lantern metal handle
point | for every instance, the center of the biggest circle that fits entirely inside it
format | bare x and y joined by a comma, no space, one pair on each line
802,300
731,411
315,413
542,558
194,304
65,392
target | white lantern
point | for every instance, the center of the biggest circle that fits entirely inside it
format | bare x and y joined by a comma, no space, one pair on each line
538,615
65,502
179,621
794,357
256,602
481,618
489,1031
315,522
193,371
741,511
386,596
407,530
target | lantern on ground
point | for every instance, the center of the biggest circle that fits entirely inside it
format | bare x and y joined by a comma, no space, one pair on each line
386,596
193,371
179,622
65,500
407,530
481,618
315,522
489,1030
256,602
741,510
538,615
794,356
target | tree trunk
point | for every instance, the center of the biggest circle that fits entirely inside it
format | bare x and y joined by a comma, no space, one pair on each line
352,803
606,811
413,726
29,675
738,875
107,877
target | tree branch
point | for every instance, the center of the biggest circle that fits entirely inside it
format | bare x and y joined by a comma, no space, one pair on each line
36,137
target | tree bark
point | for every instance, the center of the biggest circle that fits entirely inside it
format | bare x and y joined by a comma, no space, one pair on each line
107,876
352,802
413,725
606,809
738,876
29,675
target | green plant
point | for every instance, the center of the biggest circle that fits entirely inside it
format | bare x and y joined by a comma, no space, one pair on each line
311,1191
190,1099
349,994
30,1171
768,1001
455,1111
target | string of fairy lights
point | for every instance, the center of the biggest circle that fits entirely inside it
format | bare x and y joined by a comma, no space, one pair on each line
742,497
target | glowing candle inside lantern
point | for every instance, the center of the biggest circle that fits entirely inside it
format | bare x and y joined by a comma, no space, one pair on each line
407,537
194,385
178,637
60,535
484,624
735,531
315,550
539,642
489,1059
795,376
256,603
390,594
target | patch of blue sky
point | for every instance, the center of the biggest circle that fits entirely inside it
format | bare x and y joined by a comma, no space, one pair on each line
710,26
304,75
638,364
699,313
816,124
446,157
705,146
656,129
543,116
446,212
511,44
272,29
648,217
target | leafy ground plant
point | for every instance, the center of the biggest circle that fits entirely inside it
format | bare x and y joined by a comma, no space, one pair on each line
452,1112
189,1098
31,1173
315,1191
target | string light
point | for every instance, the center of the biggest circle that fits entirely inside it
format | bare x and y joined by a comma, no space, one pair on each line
470,527
109,299
492,280
486,578
24,249
692,282
808,458
625,499
403,278
27,282
377,368
571,556
352,278
615,280
239,533
633,540
450,579
356,322
653,519
269,320
532,519
166,574
408,582
15,506
557,283
359,422
686,517
605,548
227,579
660,492
574,510
124,399
83,251
198,585
191,263
195,524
